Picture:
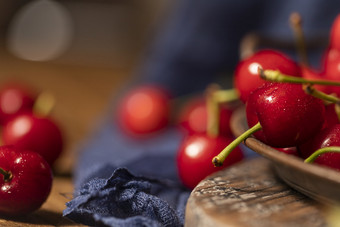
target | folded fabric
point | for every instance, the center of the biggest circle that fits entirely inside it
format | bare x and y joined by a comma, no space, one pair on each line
124,181
127,200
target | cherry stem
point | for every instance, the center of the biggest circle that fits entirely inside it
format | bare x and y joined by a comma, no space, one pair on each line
7,174
309,89
215,97
337,110
296,25
44,104
219,159
321,151
226,96
213,110
277,76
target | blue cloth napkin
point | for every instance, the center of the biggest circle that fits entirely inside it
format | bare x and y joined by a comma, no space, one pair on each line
124,181
127,200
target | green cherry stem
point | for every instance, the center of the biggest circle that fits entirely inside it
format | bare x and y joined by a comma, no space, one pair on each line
337,110
213,110
277,76
7,174
321,151
219,159
309,89
225,96
214,98
44,104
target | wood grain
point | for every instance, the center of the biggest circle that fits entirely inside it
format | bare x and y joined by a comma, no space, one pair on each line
249,194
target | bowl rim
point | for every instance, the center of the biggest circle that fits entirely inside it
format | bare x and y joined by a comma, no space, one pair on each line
238,125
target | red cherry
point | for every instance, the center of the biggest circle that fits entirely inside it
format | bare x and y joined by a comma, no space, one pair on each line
287,114
15,99
39,134
289,150
331,64
313,74
335,34
194,117
246,76
25,183
331,117
195,154
332,69
144,110
326,138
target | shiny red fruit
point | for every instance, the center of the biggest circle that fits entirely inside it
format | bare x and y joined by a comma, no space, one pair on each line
332,69
194,118
30,132
331,117
144,110
26,184
15,99
287,114
327,137
246,77
331,61
289,150
313,74
195,154
335,34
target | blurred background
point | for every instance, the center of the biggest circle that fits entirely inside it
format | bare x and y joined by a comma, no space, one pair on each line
81,51
108,33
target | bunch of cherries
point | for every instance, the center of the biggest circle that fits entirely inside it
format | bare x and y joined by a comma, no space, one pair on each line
31,142
204,118
289,106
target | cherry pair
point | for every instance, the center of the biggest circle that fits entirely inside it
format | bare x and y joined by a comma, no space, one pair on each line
25,123
200,146
32,143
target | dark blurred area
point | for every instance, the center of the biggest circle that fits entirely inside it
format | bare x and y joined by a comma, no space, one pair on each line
106,33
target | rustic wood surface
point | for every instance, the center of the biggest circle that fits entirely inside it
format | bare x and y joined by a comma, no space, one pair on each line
82,94
250,194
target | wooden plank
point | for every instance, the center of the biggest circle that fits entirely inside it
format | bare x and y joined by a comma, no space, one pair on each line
250,194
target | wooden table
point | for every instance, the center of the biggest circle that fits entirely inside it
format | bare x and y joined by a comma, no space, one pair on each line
82,94
249,194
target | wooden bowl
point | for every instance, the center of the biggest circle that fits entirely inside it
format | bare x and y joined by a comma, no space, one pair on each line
317,182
